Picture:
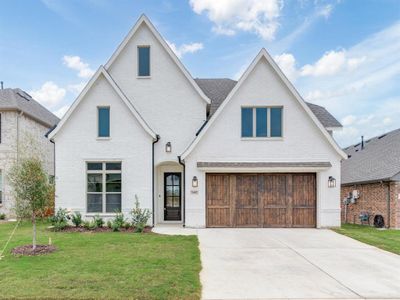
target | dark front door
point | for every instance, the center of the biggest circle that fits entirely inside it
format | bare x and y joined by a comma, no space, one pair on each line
172,196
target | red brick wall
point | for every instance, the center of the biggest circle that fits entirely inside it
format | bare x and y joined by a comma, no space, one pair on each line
373,199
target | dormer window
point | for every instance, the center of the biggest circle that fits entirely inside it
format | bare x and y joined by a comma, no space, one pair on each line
103,122
143,61
261,122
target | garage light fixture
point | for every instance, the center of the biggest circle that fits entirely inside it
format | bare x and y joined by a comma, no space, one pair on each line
195,182
168,147
331,182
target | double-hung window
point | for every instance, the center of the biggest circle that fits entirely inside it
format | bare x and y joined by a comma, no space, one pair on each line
103,187
261,122
143,61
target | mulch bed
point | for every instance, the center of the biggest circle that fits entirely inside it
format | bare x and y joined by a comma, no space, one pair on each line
102,229
28,251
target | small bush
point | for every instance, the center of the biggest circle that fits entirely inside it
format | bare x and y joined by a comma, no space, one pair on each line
90,225
60,219
98,221
77,219
2,216
140,216
109,224
118,222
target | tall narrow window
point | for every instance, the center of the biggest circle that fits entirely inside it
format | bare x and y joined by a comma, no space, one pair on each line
103,187
104,121
261,122
144,61
276,122
247,122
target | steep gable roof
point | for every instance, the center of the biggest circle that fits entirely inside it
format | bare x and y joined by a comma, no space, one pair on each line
17,99
379,160
124,98
144,20
264,54
218,88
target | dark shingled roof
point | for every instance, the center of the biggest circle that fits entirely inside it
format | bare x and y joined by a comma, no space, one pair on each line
378,161
17,99
218,88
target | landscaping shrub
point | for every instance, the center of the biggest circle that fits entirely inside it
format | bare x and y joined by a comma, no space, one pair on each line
77,219
118,222
90,225
60,219
140,216
98,221
2,216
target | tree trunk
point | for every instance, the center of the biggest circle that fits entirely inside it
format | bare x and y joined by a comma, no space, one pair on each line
34,232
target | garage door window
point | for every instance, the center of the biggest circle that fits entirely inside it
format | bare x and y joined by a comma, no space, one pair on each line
262,122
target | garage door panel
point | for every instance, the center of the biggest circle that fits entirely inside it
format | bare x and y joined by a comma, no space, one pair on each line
275,217
218,201
246,217
261,200
304,217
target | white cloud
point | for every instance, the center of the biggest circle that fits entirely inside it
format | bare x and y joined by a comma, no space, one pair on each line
61,111
287,63
76,88
230,16
49,94
185,48
329,64
325,11
348,120
76,63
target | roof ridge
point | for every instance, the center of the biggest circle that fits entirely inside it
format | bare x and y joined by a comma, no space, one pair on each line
371,138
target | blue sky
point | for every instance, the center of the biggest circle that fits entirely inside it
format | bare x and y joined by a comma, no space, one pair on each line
344,55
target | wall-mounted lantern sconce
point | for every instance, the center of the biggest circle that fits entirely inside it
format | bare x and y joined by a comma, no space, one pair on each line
331,182
168,147
195,182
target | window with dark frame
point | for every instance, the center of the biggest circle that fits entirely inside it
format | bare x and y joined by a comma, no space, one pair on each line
143,61
104,187
261,122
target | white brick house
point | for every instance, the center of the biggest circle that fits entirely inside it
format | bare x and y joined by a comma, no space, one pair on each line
23,126
198,152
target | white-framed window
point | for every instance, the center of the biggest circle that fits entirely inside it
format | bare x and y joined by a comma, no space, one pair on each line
262,122
103,187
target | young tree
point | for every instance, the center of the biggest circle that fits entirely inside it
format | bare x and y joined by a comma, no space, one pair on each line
31,189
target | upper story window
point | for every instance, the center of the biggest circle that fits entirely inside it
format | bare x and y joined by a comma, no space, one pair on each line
103,121
261,122
144,61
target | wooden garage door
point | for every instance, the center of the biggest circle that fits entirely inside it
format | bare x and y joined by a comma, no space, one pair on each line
261,200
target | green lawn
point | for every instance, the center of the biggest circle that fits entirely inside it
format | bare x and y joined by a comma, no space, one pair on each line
385,239
101,266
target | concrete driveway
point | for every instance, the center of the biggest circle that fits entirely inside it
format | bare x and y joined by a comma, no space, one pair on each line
294,263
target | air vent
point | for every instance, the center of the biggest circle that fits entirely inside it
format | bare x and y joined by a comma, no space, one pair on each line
382,136
349,156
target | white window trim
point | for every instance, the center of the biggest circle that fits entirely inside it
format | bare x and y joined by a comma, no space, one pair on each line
137,59
104,193
262,138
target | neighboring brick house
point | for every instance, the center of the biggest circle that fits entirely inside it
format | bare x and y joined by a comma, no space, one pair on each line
373,169
23,126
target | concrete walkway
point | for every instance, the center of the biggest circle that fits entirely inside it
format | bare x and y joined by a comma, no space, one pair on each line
294,264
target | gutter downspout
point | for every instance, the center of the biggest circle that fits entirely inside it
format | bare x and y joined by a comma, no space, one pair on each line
152,179
184,191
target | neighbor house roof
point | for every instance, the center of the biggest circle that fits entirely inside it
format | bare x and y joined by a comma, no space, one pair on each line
17,99
378,161
216,89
